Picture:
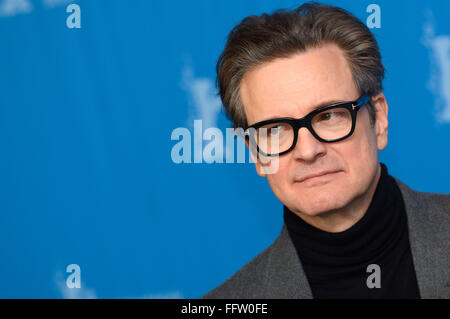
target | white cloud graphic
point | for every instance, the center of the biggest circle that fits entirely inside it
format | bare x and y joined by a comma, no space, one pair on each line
10,8
89,293
73,293
203,96
207,104
439,83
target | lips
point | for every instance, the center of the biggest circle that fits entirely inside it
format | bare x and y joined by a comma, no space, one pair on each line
308,176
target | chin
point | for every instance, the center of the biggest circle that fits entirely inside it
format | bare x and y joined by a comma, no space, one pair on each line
316,209
320,202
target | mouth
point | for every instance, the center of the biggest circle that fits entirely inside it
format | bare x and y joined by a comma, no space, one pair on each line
317,176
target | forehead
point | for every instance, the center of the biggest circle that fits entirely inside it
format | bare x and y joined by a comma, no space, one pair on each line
294,86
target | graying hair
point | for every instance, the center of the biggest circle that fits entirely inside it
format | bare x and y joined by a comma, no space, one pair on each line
261,39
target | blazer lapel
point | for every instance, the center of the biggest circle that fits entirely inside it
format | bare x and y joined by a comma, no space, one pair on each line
428,248
285,278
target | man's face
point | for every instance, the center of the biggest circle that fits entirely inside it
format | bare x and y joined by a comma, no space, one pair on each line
293,87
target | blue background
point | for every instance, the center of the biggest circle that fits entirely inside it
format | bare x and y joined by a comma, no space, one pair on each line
86,117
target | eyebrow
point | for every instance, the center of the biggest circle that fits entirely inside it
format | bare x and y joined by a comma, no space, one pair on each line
309,110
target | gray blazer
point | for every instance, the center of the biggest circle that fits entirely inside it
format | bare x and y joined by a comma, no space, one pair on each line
277,273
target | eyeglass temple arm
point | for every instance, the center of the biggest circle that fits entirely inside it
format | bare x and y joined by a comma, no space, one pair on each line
361,101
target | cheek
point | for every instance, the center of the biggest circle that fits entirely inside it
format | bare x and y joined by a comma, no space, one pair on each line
357,156
279,181
360,156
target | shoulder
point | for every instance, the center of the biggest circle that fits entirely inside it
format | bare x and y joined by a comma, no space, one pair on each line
428,219
427,209
247,282
438,201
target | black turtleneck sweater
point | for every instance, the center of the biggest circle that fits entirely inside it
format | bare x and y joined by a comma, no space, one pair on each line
336,263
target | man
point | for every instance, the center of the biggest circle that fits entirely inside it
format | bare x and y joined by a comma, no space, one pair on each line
312,80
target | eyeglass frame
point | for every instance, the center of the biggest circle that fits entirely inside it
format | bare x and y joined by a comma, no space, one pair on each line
296,124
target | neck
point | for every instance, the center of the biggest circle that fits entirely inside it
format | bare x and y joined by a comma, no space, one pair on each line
342,219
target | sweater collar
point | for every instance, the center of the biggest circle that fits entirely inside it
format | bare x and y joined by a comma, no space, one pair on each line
378,229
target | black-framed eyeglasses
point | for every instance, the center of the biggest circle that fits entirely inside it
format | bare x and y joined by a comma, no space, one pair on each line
327,124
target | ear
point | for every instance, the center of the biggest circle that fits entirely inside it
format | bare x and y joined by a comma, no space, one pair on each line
258,165
381,123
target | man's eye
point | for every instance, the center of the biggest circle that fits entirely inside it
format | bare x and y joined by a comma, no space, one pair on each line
332,115
327,116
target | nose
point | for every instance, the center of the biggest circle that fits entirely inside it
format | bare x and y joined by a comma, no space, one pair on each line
308,148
